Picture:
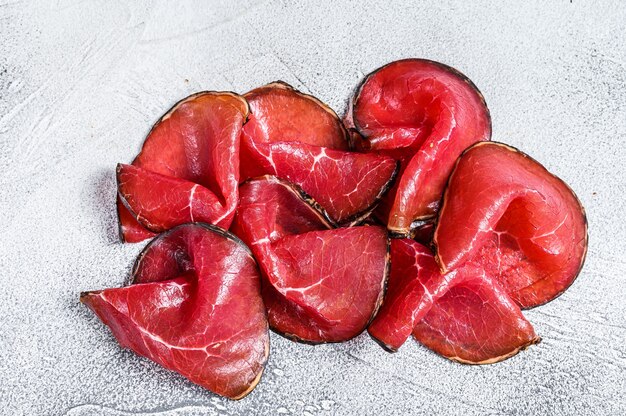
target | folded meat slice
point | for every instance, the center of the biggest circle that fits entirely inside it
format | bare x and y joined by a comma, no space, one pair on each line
524,225
197,142
194,307
464,315
475,322
424,114
296,137
415,283
319,284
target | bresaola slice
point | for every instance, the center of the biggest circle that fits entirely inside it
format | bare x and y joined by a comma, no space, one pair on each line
415,283
464,315
188,168
475,322
523,225
424,114
319,284
296,137
194,307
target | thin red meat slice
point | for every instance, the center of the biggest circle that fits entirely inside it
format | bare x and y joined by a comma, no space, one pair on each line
415,282
524,225
130,230
319,284
279,113
423,114
475,322
196,142
178,201
194,307
296,137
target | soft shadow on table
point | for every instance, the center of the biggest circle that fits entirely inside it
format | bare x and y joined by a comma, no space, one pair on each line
102,188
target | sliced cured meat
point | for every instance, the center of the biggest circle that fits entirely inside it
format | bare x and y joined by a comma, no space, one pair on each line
130,230
279,113
424,114
194,307
348,185
475,322
414,284
195,143
319,284
179,201
524,225
294,136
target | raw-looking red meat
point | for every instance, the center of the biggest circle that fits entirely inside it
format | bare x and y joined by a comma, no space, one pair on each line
415,282
188,168
424,114
296,137
319,284
523,225
194,307
475,322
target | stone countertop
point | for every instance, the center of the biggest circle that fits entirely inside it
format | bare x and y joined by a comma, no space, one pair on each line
81,83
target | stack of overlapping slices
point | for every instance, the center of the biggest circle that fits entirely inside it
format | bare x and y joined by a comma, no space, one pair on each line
402,219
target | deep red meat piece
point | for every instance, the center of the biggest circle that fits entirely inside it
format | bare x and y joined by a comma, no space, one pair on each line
475,322
196,143
319,284
296,137
194,307
423,114
279,113
415,282
524,225
176,201
130,230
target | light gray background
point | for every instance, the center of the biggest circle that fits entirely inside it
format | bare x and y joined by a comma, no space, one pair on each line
81,82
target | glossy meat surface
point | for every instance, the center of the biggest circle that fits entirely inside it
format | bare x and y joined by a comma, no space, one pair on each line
194,307
415,283
295,137
319,284
197,142
523,225
475,322
424,114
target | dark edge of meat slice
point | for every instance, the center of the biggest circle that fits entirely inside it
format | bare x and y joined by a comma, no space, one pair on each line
224,233
514,149
359,217
415,225
456,72
301,194
169,112
493,360
213,228
164,117
379,302
285,86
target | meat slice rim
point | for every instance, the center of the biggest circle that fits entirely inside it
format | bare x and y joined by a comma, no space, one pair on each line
325,224
435,243
137,228
261,349
398,225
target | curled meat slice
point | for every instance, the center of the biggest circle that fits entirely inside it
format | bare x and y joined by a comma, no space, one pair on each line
296,137
475,322
194,307
423,114
415,282
319,284
195,143
523,225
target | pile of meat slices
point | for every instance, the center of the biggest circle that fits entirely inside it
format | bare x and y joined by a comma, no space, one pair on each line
402,219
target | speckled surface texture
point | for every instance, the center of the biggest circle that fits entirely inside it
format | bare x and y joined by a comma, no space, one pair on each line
81,83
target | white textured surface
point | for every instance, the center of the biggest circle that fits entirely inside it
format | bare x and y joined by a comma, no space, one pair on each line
81,83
